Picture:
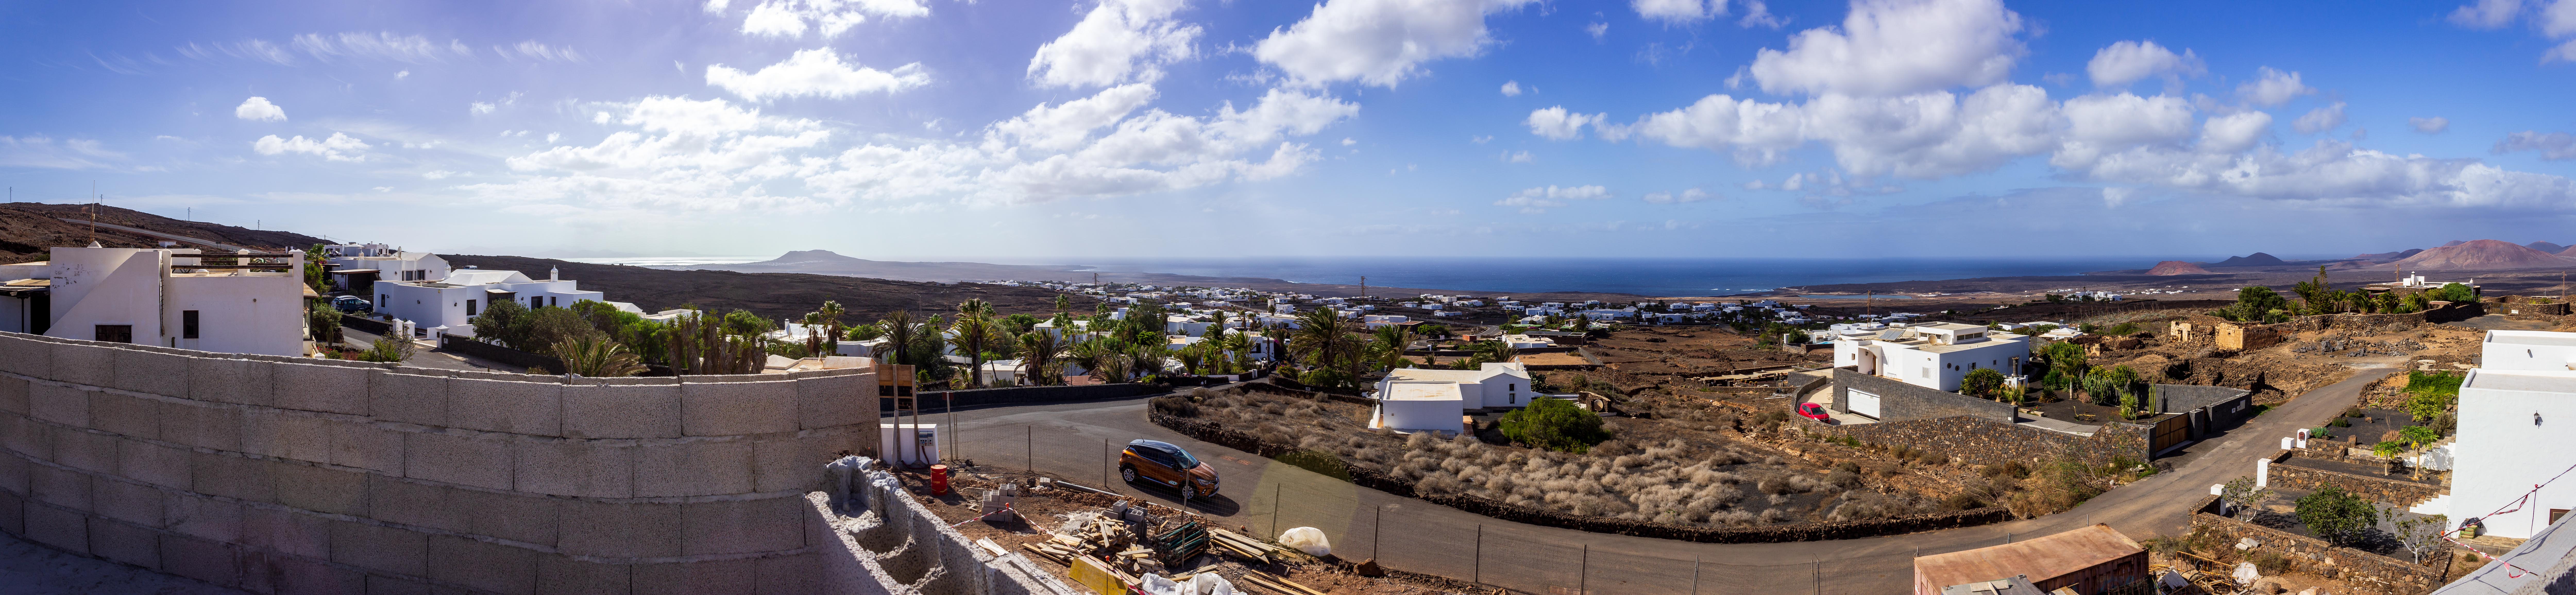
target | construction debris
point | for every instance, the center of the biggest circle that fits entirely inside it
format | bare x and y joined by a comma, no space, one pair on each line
1182,542
1280,584
1248,548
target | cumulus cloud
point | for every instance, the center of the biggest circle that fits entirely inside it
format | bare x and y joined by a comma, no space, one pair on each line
2273,87
1893,47
2127,62
479,107
831,18
1119,41
339,147
2432,125
816,72
1518,157
1557,124
2114,196
1679,12
259,109
2320,120
1378,42
1685,196
2235,132
2486,14
2555,146
1511,88
1539,200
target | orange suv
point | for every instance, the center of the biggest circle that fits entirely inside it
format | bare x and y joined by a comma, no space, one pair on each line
1164,464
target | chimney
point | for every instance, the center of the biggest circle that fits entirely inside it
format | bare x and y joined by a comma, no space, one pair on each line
554,273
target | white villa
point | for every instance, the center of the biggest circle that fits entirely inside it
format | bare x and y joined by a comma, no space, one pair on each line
1930,355
167,297
2515,415
1433,399
454,301
353,266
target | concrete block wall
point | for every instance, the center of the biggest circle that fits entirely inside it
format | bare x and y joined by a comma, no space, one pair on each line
896,546
287,475
1898,401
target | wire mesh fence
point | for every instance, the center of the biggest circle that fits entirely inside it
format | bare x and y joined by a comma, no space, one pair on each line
1264,497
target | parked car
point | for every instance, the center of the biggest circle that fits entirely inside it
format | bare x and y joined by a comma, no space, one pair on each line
1163,464
351,303
1812,411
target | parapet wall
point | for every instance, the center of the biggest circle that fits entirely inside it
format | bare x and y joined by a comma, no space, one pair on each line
277,474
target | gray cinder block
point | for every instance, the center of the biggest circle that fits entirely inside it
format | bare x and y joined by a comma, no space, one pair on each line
22,354
200,559
694,468
321,489
419,504
148,372
230,380
269,572
27,437
379,548
515,517
620,530
59,404
737,408
742,526
125,543
286,435
516,407
832,401
60,487
333,389
365,446
202,425
66,529
138,504
13,474
482,462
800,573
232,477
483,566
124,414
87,451
82,364
154,464
293,533
408,398
202,517
621,411
13,394
559,575
710,577
585,468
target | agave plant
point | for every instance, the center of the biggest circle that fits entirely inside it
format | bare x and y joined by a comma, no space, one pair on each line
597,357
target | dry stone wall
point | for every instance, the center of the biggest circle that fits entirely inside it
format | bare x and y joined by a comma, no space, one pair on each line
286,475
2367,573
1988,442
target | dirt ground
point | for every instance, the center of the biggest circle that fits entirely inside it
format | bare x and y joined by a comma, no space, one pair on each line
1051,508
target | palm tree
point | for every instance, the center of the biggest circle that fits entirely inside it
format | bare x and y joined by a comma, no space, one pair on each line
832,313
597,357
899,333
814,332
974,333
1322,335
1038,353
1090,354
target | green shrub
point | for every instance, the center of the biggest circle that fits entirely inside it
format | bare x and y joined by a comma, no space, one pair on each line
2335,515
1320,462
1554,424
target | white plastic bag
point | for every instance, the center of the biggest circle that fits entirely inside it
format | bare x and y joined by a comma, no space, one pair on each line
1155,584
1208,583
2246,574
1307,539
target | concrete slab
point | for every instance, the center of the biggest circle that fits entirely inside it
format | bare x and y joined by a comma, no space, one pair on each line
530,408
383,549
621,530
696,468
483,566
737,408
408,398
639,411
148,372
458,459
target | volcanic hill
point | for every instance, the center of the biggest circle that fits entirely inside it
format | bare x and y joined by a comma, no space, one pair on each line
2482,255
2176,267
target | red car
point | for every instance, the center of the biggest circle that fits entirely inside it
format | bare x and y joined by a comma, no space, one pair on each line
1812,411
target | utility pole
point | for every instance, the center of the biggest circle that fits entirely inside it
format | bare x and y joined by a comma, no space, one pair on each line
1363,287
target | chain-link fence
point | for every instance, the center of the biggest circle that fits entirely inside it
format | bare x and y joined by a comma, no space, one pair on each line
1265,497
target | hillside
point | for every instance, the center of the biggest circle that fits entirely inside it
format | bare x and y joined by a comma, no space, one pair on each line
2549,247
29,230
826,262
2257,259
2482,255
2176,267
775,295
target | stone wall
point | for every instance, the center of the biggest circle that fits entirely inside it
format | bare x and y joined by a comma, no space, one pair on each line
277,474
2176,398
1988,442
2519,305
2404,494
2370,324
2368,573
876,539
1899,401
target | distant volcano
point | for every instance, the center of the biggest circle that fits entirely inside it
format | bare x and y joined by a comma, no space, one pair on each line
2388,256
2176,267
2482,255
2548,247
2257,259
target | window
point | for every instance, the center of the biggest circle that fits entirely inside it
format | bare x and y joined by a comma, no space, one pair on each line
115,333
188,324
469,307
554,301
536,301
2554,513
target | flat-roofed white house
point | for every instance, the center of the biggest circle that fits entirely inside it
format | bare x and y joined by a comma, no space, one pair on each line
1420,405
1931,355
2517,429
172,297
351,265
1521,341
465,293
1494,385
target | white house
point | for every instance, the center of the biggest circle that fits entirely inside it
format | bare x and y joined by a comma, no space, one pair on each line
1378,320
1495,385
1420,405
2515,414
171,297
455,301
1527,342
1932,355
353,266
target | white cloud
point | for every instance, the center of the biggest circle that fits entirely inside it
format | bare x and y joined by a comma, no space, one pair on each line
2273,87
1377,42
340,147
717,6
1686,196
2486,14
1119,38
259,109
817,72
2558,19
380,46
2126,120
437,174
789,18
1511,88
1347,141
2334,171
2432,125
1892,47
1598,31
538,52
2127,62
2235,132
2320,120
1555,123
481,107
1540,199
1758,14
1679,12
2114,196
402,75
42,151
2555,146
2565,52
1518,157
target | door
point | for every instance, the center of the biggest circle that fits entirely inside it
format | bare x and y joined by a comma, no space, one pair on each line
1863,403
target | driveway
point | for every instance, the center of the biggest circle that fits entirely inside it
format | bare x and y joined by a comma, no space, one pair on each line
1073,441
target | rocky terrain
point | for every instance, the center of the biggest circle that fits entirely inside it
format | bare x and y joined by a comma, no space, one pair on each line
2176,267
28,231
775,295
2482,255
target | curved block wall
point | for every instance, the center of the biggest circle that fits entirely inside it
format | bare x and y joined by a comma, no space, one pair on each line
285,475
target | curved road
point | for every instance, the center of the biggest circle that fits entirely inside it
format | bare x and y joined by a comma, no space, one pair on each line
1072,441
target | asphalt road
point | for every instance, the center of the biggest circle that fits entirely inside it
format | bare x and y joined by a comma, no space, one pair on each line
1073,442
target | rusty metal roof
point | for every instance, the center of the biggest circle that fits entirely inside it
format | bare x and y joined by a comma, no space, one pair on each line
2040,558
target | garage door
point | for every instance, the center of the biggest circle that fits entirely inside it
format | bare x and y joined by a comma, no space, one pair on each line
1864,403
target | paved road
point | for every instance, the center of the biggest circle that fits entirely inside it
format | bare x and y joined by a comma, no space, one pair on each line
1072,441
201,242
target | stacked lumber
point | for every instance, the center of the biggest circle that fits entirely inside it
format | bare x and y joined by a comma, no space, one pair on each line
1246,547
1095,540
1182,542
1277,583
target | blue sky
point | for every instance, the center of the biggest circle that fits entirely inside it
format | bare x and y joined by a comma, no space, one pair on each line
1165,128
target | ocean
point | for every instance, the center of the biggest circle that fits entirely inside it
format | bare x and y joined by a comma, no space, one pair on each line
1643,276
